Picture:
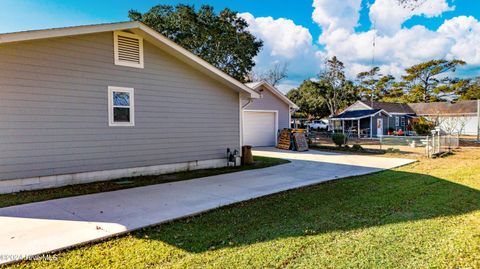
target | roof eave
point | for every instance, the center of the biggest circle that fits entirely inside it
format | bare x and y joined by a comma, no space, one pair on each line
196,61
66,31
148,33
362,117
277,93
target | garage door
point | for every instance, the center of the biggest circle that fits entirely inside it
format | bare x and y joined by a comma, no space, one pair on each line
259,128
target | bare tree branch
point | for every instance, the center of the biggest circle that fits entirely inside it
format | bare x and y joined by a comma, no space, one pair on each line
274,75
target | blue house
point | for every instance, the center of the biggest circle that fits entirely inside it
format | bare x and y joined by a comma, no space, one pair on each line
373,119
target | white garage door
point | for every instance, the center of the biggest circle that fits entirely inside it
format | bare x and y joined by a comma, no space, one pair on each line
259,128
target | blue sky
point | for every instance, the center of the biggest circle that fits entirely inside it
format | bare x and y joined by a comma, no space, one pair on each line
302,32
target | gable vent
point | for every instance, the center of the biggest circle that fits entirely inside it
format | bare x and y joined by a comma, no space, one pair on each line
128,49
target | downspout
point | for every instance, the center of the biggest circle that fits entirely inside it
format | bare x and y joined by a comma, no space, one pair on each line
250,100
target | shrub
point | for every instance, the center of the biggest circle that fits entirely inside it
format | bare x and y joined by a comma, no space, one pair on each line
357,147
423,127
339,139
393,150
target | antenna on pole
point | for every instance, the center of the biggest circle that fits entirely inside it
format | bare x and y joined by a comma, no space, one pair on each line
373,56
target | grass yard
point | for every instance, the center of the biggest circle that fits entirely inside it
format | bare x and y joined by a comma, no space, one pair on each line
423,215
124,183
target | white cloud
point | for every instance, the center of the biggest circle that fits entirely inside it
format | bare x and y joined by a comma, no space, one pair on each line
465,32
456,38
396,48
389,15
282,36
333,15
284,41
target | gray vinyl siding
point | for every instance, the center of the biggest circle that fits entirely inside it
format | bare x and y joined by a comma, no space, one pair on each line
271,102
357,106
374,124
393,125
54,109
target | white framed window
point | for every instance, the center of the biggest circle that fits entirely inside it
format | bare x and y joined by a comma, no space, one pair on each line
403,121
397,121
128,49
121,106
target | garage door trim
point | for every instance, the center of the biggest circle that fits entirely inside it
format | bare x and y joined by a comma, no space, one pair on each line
275,112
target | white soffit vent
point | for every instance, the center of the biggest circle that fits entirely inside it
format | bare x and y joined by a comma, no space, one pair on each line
128,49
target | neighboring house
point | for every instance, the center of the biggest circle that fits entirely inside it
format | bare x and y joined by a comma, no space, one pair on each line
461,117
372,119
264,117
98,102
377,118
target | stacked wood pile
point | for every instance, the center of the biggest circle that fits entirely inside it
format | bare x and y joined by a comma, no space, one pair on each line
284,139
292,139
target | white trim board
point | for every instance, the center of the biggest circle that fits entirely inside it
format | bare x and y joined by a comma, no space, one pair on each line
357,102
267,111
35,183
240,123
131,93
148,34
275,91
363,117
116,52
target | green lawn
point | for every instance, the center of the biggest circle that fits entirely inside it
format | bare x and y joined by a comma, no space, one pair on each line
124,183
423,215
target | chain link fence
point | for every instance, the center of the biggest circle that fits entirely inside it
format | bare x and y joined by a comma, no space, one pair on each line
430,146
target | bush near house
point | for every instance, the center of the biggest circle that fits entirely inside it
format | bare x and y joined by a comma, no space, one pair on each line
339,139
357,147
423,126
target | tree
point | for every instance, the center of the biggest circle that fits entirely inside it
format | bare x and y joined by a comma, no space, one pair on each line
309,96
373,86
221,39
426,78
396,92
468,89
367,84
274,75
338,91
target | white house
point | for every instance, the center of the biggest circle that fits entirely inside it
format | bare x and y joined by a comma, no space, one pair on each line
460,117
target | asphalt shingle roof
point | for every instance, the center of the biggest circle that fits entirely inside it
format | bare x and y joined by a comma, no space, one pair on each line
393,107
444,108
356,114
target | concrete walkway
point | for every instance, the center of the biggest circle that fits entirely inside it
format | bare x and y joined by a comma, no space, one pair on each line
42,227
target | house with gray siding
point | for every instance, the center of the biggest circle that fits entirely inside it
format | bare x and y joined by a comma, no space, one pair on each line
373,119
99,102
264,117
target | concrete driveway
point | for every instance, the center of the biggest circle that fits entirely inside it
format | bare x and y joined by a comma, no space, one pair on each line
42,227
